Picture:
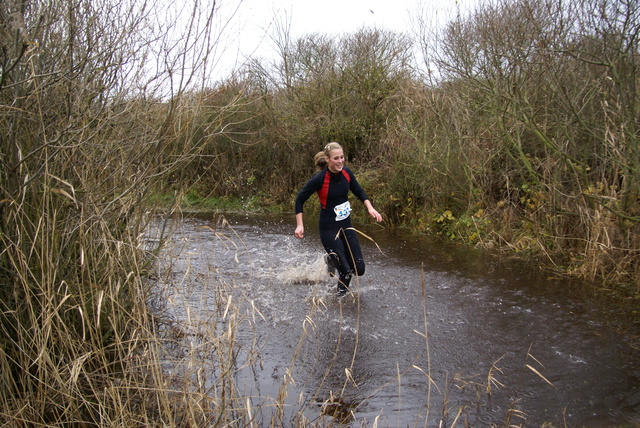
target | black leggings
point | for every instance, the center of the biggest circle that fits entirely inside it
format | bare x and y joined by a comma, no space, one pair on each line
344,249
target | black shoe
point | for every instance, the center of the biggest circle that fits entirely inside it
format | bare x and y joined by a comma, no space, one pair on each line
331,269
343,285
342,290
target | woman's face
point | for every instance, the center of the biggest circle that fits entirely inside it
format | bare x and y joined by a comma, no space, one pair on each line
335,160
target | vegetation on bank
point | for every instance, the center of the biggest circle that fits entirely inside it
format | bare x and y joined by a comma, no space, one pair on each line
522,135
517,129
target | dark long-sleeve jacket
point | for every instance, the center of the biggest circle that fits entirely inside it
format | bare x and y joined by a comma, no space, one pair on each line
333,190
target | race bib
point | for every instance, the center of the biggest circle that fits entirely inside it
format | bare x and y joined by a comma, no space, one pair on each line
342,211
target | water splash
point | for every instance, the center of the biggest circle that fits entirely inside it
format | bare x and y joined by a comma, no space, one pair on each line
313,271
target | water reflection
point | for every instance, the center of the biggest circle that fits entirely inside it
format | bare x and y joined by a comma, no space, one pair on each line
504,343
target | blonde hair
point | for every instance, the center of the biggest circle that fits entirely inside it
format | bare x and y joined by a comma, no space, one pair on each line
320,159
331,146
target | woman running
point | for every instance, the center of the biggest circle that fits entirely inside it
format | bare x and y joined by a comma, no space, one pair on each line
338,237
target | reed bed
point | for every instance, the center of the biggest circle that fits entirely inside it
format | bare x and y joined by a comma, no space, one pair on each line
89,134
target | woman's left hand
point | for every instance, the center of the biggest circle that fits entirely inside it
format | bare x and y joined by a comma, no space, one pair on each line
375,214
372,211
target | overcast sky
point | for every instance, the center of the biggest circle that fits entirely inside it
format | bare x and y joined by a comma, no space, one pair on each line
253,20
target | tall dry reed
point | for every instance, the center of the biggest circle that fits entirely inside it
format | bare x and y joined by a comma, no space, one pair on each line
88,133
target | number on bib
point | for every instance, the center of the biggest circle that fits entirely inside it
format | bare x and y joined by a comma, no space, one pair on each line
342,211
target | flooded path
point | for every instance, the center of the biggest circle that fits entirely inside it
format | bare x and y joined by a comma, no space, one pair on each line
433,335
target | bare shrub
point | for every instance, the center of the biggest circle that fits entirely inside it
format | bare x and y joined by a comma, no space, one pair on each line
549,87
88,97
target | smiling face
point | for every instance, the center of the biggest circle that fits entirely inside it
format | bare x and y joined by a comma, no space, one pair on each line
335,160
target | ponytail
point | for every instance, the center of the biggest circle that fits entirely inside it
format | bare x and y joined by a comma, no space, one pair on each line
320,160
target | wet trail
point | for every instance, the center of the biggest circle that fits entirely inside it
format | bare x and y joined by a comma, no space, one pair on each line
503,343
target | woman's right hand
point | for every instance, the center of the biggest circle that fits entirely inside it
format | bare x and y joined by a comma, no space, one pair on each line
299,233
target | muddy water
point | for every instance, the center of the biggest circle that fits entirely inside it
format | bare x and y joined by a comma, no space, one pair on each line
501,341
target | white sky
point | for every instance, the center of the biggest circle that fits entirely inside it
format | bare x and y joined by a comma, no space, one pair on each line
246,34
